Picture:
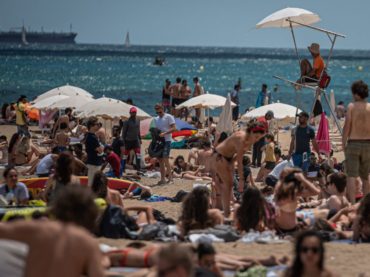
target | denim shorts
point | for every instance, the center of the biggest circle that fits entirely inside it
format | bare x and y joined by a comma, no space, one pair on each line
166,149
298,161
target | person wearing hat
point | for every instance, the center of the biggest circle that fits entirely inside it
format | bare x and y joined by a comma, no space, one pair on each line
131,138
312,73
20,116
257,147
300,148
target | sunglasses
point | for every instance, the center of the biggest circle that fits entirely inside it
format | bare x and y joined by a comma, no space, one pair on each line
314,250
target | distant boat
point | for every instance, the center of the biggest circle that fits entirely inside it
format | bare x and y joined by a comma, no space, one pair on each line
24,38
127,40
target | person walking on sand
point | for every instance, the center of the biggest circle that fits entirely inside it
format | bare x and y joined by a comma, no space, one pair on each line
356,139
131,138
257,147
222,162
166,124
94,149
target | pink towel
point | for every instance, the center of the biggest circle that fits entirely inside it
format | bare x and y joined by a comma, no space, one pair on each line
46,116
322,137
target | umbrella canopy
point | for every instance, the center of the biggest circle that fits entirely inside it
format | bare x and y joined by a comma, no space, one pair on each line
225,123
279,19
49,101
64,90
280,110
108,108
72,102
207,100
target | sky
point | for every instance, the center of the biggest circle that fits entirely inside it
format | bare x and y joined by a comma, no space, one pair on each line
188,22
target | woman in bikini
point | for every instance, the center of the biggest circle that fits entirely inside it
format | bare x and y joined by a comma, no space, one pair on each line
223,159
291,186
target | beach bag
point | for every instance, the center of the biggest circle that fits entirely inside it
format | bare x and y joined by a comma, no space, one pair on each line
157,144
116,224
325,80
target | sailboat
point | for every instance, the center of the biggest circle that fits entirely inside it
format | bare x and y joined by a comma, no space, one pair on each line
24,39
127,40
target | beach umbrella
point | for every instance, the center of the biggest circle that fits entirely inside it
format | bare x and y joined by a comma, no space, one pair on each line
279,19
108,108
47,102
208,100
75,101
64,90
225,123
280,110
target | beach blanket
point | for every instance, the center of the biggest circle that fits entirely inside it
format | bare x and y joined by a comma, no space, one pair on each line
157,198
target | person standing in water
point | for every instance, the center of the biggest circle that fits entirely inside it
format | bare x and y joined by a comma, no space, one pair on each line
198,90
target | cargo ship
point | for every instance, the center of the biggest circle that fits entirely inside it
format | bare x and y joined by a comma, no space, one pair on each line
27,37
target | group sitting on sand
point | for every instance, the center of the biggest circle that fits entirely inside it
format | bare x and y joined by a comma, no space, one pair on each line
301,195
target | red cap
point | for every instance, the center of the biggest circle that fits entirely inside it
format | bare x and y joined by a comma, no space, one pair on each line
133,110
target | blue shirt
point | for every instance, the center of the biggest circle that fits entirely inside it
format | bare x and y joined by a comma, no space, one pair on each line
19,193
91,144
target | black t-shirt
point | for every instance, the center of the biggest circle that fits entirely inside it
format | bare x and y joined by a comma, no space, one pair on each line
117,143
303,136
91,144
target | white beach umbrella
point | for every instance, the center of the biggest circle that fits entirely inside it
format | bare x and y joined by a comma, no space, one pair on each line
280,110
64,90
108,108
225,123
279,19
72,102
49,101
207,100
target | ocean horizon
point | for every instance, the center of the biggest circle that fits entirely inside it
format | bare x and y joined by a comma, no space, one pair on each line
119,72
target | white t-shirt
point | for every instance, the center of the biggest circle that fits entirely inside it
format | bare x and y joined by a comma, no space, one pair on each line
45,165
279,168
164,124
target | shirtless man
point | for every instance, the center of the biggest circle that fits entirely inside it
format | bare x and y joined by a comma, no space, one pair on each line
175,93
222,162
185,93
101,134
66,118
55,244
62,137
198,90
356,140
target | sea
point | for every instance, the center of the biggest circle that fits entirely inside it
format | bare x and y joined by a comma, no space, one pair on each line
121,73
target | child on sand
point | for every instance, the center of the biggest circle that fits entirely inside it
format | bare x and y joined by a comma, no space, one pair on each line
270,159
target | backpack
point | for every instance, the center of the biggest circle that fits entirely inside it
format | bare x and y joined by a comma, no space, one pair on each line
116,224
157,144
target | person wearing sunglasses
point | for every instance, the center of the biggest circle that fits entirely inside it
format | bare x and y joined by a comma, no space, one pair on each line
309,257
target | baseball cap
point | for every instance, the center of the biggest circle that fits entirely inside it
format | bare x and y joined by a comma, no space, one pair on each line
133,110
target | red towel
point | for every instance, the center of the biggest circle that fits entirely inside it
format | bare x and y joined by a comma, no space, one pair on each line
322,137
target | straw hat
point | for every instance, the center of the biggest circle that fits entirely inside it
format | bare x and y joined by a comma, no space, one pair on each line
314,48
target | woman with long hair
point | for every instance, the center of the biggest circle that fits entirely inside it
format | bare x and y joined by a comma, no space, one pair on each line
100,188
62,177
187,171
290,187
309,256
223,162
254,213
196,212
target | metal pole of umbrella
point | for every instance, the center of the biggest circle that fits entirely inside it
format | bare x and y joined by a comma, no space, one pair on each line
299,63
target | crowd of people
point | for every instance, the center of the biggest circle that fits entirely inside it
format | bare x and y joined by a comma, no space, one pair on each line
299,193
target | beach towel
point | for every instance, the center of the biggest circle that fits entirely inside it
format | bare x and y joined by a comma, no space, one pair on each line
157,198
323,137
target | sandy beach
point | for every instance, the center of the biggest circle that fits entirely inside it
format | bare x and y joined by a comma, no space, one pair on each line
344,259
